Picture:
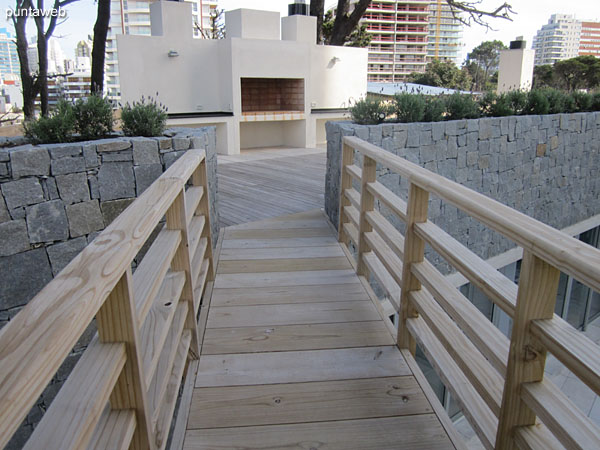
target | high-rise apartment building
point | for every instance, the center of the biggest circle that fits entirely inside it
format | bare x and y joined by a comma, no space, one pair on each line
445,33
557,40
9,60
589,42
133,17
399,31
405,35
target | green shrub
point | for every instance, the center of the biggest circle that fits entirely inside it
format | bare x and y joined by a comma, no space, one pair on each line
583,101
435,108
144,118
517,101
502,106
93,117
368,112
408,107
556,100
596,101
486,103
461,106
537,103
57,127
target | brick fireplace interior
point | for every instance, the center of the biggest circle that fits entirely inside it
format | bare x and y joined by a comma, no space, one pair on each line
272,94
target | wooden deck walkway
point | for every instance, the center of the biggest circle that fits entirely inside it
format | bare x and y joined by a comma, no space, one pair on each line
260,184
295,354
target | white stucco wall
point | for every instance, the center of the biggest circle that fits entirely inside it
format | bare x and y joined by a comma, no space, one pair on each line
205,76
515,69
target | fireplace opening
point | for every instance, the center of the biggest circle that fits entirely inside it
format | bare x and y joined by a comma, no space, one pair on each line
272,95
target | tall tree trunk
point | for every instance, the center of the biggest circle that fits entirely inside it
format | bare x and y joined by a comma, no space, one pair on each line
317,9
345,23
42,78
27,79
99,46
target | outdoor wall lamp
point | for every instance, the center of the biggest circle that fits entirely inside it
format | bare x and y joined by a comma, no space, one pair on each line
173,54
335,59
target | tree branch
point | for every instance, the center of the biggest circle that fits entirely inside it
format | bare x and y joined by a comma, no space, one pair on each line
477,15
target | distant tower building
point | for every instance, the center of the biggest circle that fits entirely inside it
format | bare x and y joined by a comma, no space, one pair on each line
56,57
83,49
557,40
589,42
399,31
445,33
9,59
133,17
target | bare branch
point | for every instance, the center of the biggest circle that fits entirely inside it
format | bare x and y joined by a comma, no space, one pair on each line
475,14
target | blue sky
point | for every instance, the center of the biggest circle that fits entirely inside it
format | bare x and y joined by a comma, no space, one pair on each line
531,15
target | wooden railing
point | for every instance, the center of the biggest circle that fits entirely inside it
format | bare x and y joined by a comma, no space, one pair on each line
123,390
498,382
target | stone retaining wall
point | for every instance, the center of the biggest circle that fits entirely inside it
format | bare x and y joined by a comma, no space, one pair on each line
547,167
55,199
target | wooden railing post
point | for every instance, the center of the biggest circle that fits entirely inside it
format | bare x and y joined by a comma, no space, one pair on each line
414,252
200,178
177,220
367,202
536,298
117,322
345,183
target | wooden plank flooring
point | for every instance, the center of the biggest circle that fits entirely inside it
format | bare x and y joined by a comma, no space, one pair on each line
264,183
295,354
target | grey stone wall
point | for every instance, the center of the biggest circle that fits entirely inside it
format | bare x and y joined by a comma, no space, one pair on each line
547,167
55,199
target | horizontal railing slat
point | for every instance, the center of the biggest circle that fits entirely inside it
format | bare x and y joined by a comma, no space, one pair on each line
354,171
352,232
566,421
149,275
158,322
352,213
388,233
195,232
198,258
158,384
114,430
480,416
354,197
574,349
536,437
564,252
383,277
163,423
488,339
72,417
492,283
200,283
389,199
193,195
486,380
388,258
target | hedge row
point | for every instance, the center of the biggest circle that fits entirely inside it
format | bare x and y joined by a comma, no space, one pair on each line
406,107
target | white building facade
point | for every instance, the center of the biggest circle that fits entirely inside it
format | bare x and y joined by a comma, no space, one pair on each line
132,17
266,84
557,40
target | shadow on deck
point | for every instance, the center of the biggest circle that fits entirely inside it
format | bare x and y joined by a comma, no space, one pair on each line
295,352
